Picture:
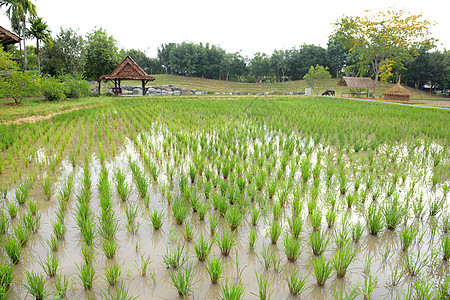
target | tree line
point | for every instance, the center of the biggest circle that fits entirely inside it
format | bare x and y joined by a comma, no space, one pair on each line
347,54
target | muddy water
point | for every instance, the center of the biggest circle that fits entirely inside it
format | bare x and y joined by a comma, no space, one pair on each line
150,243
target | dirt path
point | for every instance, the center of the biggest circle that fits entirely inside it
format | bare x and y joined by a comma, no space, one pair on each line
34,119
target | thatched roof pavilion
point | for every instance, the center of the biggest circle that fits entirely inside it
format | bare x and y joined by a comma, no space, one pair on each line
8,38
359,83
128,69
397,92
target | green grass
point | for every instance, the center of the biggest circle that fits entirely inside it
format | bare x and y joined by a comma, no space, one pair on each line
35,285
214,268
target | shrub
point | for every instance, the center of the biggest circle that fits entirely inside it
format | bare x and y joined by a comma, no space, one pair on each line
52,89
76,87
18,85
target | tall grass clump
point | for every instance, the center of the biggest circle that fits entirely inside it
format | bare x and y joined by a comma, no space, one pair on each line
13,249
318,242
35,285
202,247
291,247
122,188
225,242
322,270
407,236
342,259
374,219
393,213
214,268
183,280
274,231
296,284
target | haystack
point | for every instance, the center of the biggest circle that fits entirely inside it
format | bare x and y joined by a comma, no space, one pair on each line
397,92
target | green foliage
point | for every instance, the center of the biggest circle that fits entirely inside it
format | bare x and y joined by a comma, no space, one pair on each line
315,75
19,85
53,89
101,54
76,86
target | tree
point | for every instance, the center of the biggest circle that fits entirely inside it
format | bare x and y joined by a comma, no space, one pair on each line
383,39
139,57
65,55
280,63
15,83
340,59
315,76
164,56
260,66
40,32
101,55
18,11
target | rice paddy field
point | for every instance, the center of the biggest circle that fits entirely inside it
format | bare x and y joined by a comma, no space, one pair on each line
226,198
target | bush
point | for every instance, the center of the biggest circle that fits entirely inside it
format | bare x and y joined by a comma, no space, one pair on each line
18,85
76,86
52,89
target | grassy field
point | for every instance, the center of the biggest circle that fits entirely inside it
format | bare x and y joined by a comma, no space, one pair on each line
211,85
229,197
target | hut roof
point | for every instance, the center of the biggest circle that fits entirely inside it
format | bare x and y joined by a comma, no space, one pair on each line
397,90
357,82
128,69
7,37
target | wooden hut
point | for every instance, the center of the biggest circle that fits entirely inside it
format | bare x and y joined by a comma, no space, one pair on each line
397,92
128,69
7,38
356,86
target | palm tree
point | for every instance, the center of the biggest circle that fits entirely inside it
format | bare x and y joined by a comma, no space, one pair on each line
40,32
17,12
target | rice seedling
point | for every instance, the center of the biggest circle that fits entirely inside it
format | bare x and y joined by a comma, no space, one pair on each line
274,231
13,209
202,248
342,259
179,211
407,236
252,239
50,265
202,210
109,226
87,231
6,275
110,248
4,223
370,283
322,270
318,242
35,285
59,229
316,219
87,252
61,286
112,274
296,284
435,206
234,217
330,217
291,247
374,219
357,231
53,243
32,206
225,241
183,280
413,263
267,257
47,188
175,257
213,223
233,291
393,213
156,219
214,268
295,226
445,245
22,233
264,288
395,277
122,188
188,232
22,192
86,275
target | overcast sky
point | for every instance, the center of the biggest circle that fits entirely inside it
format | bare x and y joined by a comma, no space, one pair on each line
247,25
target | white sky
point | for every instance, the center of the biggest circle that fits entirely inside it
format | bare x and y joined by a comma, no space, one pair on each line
246,25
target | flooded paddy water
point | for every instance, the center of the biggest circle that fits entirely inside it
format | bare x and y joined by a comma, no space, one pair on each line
251,175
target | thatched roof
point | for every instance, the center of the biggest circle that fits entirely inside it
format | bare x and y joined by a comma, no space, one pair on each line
128,69
7,37
357,82
397,92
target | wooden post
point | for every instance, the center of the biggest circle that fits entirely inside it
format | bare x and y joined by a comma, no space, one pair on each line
143,87
99,86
